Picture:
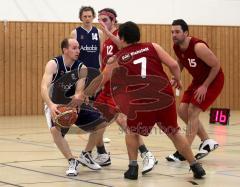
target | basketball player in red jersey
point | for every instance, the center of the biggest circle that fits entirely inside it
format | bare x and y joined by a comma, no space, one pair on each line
142,91
107,20
208,79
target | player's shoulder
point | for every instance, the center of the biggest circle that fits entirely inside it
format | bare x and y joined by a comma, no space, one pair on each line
51,66
155,45
200,46
196,41
52,62
82,66
152,46
73,34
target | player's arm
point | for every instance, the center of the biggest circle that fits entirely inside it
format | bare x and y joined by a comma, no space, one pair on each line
100,80
50,69
82,79
114,38
205,54
79,97
107,73
101,38
73,34
170,63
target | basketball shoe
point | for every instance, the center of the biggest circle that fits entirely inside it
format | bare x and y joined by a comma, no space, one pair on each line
72,169
87,160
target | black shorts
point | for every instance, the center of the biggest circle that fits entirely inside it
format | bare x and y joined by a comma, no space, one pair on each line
88,119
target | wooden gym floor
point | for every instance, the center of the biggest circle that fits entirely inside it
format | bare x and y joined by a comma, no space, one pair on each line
28,157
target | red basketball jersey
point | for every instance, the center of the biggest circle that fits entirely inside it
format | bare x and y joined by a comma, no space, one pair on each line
142,59
109,49
141,89
195,66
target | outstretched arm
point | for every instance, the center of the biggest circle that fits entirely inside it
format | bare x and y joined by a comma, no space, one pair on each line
100,80
114,38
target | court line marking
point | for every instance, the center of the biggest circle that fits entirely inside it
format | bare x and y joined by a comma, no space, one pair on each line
44,182
25,161
35,143
227,174
55,175
10,184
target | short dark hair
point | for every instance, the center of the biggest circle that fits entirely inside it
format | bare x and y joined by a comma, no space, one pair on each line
86,8
65,43
182,23
111,11
130,32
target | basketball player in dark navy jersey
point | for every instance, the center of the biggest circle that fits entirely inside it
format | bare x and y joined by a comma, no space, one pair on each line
89,38
90,41
63,75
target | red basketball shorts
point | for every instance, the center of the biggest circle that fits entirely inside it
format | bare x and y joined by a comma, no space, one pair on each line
165,118
213,91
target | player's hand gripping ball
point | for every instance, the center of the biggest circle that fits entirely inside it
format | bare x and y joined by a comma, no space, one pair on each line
67,117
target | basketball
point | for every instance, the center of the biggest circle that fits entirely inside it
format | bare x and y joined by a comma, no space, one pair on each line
67,117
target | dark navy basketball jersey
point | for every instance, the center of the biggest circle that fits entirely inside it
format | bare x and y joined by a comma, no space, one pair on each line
63,82
89,44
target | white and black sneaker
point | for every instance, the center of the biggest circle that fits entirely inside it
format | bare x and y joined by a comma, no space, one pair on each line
87,160
206,147
176,157
103,159
149,161
72,169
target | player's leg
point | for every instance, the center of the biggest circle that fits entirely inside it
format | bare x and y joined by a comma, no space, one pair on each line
58,138
193,122
132,143
182,145
86,158
168,123
105,104
207,144
213,91
183,114
149,161
95,139
103,157
90,120
62,144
